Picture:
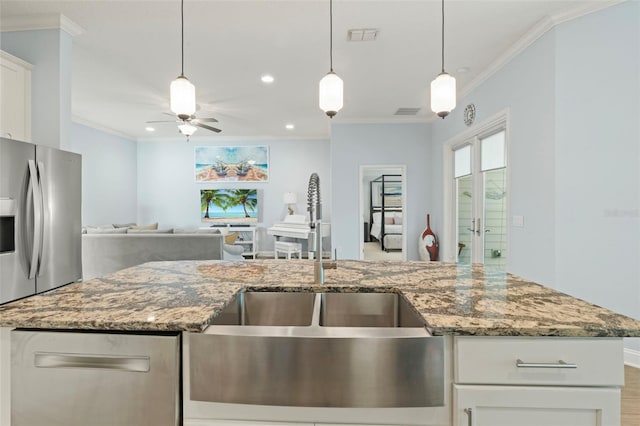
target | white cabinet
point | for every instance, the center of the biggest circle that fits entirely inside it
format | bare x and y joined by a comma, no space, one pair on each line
535,406
246,238
15,98
533,381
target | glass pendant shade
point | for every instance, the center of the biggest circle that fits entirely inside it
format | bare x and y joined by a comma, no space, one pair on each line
183,97
443,94
331,88
187,129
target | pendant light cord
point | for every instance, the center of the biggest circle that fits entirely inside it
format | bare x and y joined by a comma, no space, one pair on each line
331,35
182,35
443,36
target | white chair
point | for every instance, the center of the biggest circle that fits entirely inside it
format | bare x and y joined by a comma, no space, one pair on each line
288,248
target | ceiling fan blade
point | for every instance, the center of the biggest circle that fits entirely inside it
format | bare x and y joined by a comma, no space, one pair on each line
204,126
162,121
168,113
208,119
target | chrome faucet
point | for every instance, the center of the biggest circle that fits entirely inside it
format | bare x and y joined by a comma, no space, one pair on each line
314,207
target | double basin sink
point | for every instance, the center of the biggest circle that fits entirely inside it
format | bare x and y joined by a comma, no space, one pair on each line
318,350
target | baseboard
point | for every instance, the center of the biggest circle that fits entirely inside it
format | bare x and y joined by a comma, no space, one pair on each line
632,358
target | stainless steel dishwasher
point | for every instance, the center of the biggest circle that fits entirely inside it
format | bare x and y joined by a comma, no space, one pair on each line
92,378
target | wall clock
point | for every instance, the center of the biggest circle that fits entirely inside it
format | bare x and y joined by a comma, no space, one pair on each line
469,114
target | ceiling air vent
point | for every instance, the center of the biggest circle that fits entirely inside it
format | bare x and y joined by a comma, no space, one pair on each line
407,111
362,34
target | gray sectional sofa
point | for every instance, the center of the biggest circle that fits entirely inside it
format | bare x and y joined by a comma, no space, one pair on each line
106,253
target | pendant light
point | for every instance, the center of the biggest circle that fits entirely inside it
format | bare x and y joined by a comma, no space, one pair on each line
331,87
182,92
443,88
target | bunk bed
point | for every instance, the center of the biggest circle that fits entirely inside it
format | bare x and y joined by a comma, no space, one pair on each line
385,211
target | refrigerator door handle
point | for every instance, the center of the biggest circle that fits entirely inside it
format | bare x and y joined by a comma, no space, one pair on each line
36,200
45,217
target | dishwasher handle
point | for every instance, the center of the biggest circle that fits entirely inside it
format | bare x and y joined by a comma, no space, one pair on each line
138,364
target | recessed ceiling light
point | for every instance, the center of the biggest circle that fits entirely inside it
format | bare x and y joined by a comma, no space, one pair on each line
267,79
290,126
150,129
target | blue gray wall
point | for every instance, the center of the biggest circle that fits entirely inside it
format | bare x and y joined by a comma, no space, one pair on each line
169,194
354,145
598,158
574,156
109,177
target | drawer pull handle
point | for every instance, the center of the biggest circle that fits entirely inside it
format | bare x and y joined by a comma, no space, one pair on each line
559,364
469,416
109,362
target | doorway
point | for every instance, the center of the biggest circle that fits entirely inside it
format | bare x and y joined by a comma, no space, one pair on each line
480,199
383,229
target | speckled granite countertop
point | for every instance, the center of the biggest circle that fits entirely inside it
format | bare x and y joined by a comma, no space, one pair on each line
185,296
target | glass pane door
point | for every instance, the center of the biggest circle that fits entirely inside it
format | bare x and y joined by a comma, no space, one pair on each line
464,218
480,175
495,217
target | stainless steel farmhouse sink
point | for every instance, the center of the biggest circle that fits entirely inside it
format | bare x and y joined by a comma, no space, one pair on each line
268,309
367,310
318,350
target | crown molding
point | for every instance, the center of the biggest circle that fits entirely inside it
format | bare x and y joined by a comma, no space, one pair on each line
79,120
537,31
583,10
41,22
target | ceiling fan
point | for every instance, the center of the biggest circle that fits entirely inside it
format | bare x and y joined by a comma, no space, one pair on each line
189,124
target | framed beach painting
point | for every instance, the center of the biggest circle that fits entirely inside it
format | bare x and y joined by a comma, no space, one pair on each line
232,163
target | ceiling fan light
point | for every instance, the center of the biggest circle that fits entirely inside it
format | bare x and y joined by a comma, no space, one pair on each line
183,97
330,90
187,129
443,94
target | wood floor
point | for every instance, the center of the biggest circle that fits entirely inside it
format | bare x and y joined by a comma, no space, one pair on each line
631,397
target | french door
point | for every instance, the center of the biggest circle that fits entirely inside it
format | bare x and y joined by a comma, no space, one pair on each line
480,185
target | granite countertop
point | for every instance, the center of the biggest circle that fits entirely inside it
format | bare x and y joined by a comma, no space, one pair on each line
186,295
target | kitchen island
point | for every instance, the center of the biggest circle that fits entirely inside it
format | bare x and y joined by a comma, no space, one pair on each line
486,317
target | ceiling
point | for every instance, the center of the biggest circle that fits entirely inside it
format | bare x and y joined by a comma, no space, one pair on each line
129,52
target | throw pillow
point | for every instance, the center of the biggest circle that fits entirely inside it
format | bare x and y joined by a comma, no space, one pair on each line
235,250
208,231
150,231
152,226
106,230
123,225
231,238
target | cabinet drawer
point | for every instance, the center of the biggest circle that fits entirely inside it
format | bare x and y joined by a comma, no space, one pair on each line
539,361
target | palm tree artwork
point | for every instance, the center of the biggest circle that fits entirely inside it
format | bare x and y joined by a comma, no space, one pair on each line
246,197
229,205
217,197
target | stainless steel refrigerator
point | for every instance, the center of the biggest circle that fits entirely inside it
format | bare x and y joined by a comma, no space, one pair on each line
40,219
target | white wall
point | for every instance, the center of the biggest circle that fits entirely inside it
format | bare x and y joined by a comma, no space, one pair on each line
168,193
353,145
598,158
109,183
524,87
50,52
